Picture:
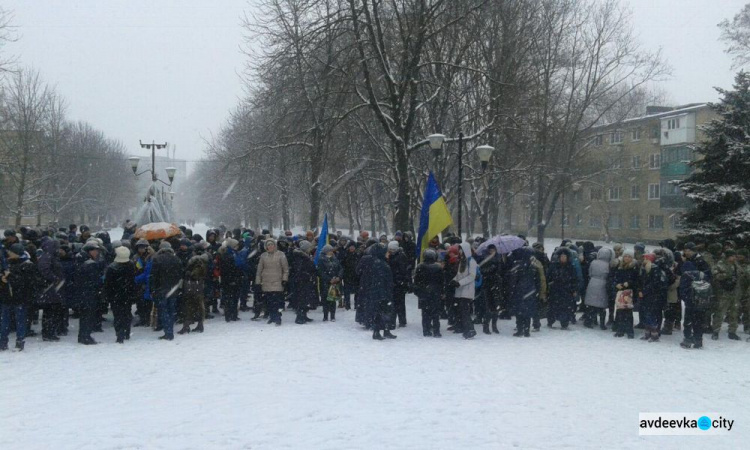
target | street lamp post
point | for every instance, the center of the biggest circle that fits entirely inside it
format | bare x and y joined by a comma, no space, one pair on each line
161,207
483,151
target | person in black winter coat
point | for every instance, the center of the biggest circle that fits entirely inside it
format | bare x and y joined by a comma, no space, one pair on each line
562,285
376,283
693,269
303,282
400,269
351,280
231,280
492,288
164,282
428,285
67,291
49,298
88,284
119,290
653,294
363,314
18,290
625,277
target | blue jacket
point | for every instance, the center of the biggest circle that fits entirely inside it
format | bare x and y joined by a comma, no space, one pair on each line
144,279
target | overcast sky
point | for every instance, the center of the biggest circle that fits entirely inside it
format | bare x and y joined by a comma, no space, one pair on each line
169,70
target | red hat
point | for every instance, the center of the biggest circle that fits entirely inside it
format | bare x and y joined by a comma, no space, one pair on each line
650,256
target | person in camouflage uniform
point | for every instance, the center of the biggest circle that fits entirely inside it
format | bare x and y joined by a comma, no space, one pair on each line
711,256
743,259
726,275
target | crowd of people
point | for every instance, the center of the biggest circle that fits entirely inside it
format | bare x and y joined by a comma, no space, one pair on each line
186,280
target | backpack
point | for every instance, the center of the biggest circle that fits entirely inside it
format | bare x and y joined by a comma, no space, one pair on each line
701,293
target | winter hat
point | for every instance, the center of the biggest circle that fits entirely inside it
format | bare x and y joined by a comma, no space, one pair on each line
165,246
197,238
393,246
9,232
398,234
305,246
729,252
122,255
126,244
715,249
268,243
640,247
141,243
116,244
538,246
628,253
327,248
186,242
383,238
650,256
689,246
231,243
91,245
17,248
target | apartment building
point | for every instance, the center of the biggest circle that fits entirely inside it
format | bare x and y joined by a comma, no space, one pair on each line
635,197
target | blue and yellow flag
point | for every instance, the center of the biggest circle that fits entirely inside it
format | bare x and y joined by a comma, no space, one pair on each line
435,216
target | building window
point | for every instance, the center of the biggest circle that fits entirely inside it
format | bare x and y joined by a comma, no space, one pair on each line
653,191
577,195
595,222
635,192
635,222
635,134
655,222
615,137
615,221
579,220
671,188
598,139
676,222
673,124
636,163
595,194
655,132
654,161
615,193
615,163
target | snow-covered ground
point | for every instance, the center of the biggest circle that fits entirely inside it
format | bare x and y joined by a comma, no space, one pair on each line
330,386
249,385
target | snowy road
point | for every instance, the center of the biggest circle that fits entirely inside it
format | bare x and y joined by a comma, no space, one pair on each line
330,386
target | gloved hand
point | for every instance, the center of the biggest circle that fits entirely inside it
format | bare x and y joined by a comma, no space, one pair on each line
284,285
454,284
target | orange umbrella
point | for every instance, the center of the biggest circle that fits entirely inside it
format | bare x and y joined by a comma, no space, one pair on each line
157,230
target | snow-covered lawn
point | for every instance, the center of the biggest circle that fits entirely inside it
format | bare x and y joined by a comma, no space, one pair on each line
329,385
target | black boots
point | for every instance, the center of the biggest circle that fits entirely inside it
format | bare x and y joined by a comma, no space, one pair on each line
185,329
199,328
376,335
387,334
19,345
486,328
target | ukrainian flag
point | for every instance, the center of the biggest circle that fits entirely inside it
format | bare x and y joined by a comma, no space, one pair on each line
435,216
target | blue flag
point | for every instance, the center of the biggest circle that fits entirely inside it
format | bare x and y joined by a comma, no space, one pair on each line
322,239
